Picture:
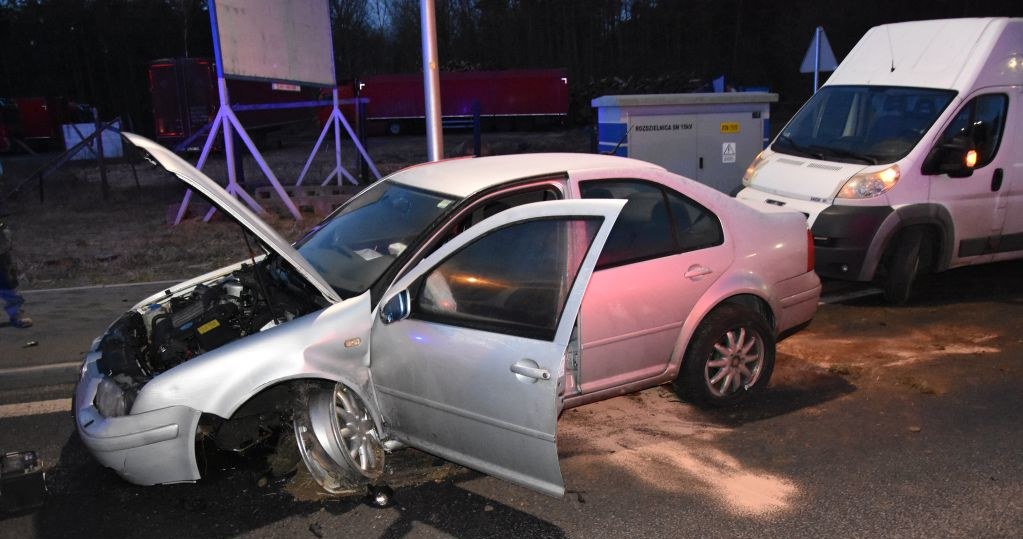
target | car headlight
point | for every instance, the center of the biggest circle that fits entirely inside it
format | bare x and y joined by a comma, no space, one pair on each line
111,401
752,169
870,184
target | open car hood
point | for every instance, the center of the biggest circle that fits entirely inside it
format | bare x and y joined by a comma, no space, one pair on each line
231,206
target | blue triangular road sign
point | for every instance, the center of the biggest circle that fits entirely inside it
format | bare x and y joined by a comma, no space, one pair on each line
827,57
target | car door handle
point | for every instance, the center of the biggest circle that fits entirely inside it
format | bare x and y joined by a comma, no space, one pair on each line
529,369
696,272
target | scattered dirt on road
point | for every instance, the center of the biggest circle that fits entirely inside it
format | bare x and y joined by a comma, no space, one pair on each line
669,446
875,344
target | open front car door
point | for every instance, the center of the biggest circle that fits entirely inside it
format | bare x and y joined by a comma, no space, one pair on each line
468,348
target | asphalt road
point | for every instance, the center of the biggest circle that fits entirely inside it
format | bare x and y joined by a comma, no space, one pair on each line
880,422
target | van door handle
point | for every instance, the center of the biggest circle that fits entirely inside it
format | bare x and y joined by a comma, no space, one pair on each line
696,272
996,179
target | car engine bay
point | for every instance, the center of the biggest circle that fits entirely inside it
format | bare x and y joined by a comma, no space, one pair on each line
154,338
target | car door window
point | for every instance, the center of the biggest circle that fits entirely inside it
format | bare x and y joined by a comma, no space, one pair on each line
655,222
515,280
495,205
491,206
695,226
981,121
643,230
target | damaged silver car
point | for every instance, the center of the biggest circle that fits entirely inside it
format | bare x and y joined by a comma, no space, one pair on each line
447,308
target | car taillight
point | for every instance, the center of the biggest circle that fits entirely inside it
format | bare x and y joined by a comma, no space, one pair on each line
809,251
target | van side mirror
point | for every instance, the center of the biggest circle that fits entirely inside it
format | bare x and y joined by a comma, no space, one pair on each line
955,158
399,307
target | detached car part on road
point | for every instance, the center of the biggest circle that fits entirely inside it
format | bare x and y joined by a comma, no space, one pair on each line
456,307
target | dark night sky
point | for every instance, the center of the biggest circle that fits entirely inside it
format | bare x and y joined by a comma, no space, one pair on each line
96,51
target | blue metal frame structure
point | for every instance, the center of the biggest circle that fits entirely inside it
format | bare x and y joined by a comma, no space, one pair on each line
228,122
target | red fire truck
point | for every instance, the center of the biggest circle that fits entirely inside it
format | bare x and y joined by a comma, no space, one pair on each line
506,99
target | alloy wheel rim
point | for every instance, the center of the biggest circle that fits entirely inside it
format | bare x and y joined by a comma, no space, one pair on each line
735,363
356,433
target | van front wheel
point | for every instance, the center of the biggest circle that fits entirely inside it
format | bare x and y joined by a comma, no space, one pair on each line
903,266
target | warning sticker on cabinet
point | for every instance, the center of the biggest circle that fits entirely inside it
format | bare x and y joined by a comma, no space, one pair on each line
727,152
730,127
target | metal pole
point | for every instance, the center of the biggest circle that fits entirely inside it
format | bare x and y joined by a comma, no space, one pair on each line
431,81
99,156
232,178
360,128
337,134
477,144
816,57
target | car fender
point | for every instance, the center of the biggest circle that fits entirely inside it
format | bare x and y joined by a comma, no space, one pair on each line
221,381
726,288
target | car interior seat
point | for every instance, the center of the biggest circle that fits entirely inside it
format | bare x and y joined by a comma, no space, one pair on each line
891,121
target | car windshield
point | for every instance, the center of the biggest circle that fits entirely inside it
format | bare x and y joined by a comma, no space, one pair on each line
354,247
862,124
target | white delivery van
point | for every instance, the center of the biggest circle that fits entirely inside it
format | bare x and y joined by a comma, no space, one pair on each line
910,158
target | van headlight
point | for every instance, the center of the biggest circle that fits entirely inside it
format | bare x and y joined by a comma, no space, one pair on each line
870,184
753,167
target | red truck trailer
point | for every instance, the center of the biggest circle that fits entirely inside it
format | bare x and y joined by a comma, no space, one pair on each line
185,98
512,98
37,121
42,118
10,124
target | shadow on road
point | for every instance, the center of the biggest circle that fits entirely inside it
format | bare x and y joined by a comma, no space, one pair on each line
447,508
998,282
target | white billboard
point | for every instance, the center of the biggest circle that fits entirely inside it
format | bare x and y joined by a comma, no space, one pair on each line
281,40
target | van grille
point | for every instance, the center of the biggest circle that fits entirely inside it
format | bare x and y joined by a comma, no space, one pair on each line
822,166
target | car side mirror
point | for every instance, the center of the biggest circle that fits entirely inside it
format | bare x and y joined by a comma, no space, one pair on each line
955,158
399,307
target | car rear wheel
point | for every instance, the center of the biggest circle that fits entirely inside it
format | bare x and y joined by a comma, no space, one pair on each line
338,439
730,358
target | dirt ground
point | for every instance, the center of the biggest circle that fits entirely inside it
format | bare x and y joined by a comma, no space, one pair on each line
73,237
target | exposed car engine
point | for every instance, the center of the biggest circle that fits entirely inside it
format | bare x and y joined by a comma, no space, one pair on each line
154,338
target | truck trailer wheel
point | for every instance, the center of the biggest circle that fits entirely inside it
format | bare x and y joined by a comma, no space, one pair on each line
903,266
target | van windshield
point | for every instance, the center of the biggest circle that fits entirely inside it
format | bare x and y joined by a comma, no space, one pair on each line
862,124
